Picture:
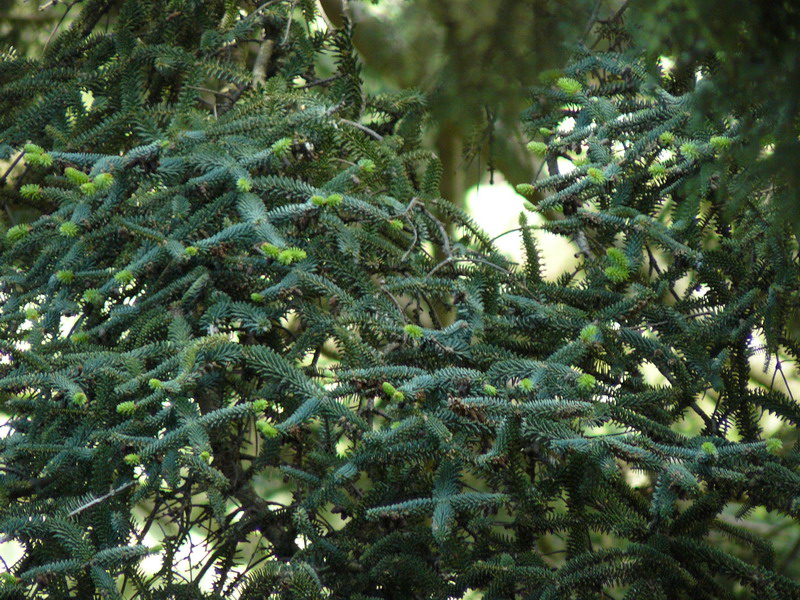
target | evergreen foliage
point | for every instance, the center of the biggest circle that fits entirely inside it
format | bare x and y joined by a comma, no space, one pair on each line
227,331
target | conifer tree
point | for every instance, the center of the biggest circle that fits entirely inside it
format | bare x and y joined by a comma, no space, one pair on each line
228,350
208,238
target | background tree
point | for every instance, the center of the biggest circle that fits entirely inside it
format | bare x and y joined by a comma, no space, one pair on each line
746,57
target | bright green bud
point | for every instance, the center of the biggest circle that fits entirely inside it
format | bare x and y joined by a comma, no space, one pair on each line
774,445
285,257
617,257
544,131
282,147
156,549
525,189
719,143
590,333
89,189
529,206
124,277
616,274
318,200
30,191
259,405
366,165
537,148
155,384
191,251
17,232
132,459
619,269
205,456
164,144
489,390
126,408
79,398
79,338
267,429
393,392
586,382
709,448
244,185
526,385
569,85
32,314
690,150
92,296
75,176
68,229
657,170
9,579
39,160
413,331
65,276
270,249
104,181
290,255
667,138
334,199
33,149
579,161
396,224
596,175
256,297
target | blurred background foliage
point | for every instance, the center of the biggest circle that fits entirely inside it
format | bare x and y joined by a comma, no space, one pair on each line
474,60
744,59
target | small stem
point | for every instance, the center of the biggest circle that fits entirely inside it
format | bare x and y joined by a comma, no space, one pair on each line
288,23
363,128
60,21
325,81
11,168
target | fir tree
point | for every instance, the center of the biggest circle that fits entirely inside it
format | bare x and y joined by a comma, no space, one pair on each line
225,331
209,238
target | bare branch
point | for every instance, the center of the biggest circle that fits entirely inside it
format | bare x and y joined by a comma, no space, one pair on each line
103,498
